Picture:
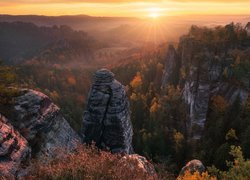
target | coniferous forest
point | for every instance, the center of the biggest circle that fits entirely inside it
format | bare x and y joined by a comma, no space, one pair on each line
188,99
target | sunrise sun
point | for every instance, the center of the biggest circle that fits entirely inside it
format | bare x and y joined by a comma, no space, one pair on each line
154,12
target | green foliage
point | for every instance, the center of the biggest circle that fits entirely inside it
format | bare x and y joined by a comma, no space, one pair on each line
230,35
158,115
231,135
158,120
239,168
68,88
7,79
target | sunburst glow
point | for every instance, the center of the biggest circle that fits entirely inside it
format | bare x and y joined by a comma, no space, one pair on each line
154,12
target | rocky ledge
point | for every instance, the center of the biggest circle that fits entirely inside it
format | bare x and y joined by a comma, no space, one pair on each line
43,124
106,120
13,149
40,122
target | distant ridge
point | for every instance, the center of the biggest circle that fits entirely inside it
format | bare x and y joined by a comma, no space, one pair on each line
60,20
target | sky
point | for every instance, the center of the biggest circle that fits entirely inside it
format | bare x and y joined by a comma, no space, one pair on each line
126,8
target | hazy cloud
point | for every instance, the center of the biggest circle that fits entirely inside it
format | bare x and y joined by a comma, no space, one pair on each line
131,8
114,1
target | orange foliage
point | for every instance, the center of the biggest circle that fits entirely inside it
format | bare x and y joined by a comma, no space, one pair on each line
154,106
137,81
196,176
71,81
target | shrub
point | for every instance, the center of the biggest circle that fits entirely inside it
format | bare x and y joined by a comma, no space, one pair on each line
87,163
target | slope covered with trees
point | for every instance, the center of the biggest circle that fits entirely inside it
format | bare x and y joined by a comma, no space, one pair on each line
159,114
21,42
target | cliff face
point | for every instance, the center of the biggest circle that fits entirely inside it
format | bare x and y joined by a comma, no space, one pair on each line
106,120
171,70
201,75
40,122
34,128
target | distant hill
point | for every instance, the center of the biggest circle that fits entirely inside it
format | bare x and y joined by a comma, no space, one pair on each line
124,31
82,22
21,41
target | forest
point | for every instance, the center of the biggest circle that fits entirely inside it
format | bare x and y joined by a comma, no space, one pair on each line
159,113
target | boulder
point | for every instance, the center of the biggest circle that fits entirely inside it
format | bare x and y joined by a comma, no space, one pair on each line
40,122
192,167
140,164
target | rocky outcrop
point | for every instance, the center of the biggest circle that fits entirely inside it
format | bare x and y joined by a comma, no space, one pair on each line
40,122
171,70
201,74
106,120
140,163
192,166
248,28
13,149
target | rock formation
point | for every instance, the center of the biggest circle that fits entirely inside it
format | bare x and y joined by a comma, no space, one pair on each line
248,28
41,123
200,73
171,72
13,149
192,167
143,166
106,120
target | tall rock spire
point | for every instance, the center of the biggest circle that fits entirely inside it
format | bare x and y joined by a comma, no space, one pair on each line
171,72
106,120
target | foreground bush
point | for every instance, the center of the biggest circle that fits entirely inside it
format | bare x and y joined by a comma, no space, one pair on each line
90,163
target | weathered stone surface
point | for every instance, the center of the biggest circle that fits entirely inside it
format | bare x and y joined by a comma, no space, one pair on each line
192,167
13,149
41,123
171,70
201,77
248,28
143,166
106,120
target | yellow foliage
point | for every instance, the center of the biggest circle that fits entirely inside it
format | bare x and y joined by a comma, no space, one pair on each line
231,134
178,139
196,176
133,97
